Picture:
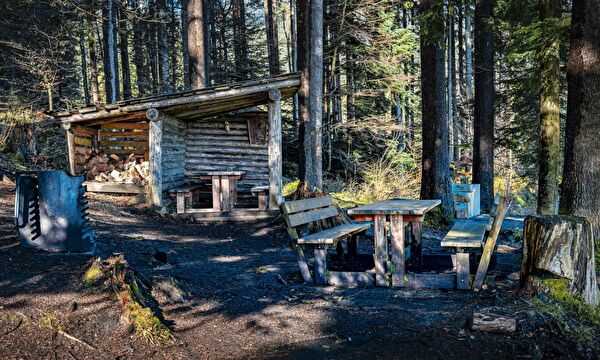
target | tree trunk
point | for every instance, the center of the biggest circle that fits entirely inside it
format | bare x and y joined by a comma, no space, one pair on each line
163,47
174,56
580,189
316,92
550,151
468,53
151,46
483,137
83,53
124,49
304,126
196,44
240,42
452,85
272,35
138,53
562,246
111,60
93,70
184,44
435,179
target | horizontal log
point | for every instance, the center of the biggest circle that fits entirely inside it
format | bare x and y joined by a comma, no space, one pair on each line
124,134
219,124
82,141
215,131
241,156
493,323
216,138
114,188
138,144
138,151
84,131
133,125
228,162
208,145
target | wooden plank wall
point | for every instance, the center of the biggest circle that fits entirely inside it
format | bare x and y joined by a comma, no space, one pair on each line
124,139
85,143
223,143
173,153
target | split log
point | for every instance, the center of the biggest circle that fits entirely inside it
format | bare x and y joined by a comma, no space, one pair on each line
562,246
493,323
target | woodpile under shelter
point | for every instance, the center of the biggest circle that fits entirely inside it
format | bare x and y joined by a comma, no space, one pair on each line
162,143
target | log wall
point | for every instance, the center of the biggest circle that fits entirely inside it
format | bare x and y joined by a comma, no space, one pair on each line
224,143
173,153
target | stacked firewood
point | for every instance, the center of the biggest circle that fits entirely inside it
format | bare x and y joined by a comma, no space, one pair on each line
114,169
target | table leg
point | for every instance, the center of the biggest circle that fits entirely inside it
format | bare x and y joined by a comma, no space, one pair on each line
397,235
381,254
462,271
216,193
225,194
416,247
233,191
180,203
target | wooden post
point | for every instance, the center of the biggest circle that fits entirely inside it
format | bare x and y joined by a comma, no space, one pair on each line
225,194
416,248
70,148
275,161
462,271
397,233
216,193
155,144
181,202
380,251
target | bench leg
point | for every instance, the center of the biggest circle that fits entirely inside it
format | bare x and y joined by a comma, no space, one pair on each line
398,256
462,271
262,200
353,246
225,194
320,265
381,254
180,203
299,250
416,250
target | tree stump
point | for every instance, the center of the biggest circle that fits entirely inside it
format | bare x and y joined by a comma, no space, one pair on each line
562,246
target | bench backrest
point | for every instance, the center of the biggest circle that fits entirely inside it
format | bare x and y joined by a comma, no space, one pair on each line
305,211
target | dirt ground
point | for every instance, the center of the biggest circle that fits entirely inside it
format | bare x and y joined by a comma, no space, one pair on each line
237,307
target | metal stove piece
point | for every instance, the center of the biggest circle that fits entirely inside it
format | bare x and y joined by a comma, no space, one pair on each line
51,212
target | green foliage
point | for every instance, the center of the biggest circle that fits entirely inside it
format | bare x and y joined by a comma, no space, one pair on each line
92,275
147,324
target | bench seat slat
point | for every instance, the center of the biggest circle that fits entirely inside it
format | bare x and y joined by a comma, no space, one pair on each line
306,217
466,234
331,235
184,188
291,207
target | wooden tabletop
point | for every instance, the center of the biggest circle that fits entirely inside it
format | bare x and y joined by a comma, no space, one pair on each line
396,207
216,173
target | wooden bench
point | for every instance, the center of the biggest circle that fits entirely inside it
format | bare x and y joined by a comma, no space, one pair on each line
467,236
184,193
262,191
322,212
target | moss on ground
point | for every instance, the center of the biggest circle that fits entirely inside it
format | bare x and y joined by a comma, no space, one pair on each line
147,324
92,275
577,318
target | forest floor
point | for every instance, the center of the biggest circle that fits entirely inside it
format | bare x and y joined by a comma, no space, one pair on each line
236,306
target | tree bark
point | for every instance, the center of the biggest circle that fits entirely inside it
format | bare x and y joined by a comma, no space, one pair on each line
580,189
124,49
435,179
316,92
483,137
163,47
550,151
138,52
111,63
304,129
468,53
240,42
83,54
184,44
196,44
272,36
562,246
93,70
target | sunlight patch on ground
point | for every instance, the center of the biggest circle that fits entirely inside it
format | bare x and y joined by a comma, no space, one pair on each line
227,259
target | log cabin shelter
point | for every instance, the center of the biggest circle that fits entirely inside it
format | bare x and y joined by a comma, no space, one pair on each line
188,136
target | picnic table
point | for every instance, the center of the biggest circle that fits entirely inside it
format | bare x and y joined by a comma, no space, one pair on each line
399,212
224,187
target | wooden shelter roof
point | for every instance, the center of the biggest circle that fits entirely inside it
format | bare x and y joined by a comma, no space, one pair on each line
187,105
